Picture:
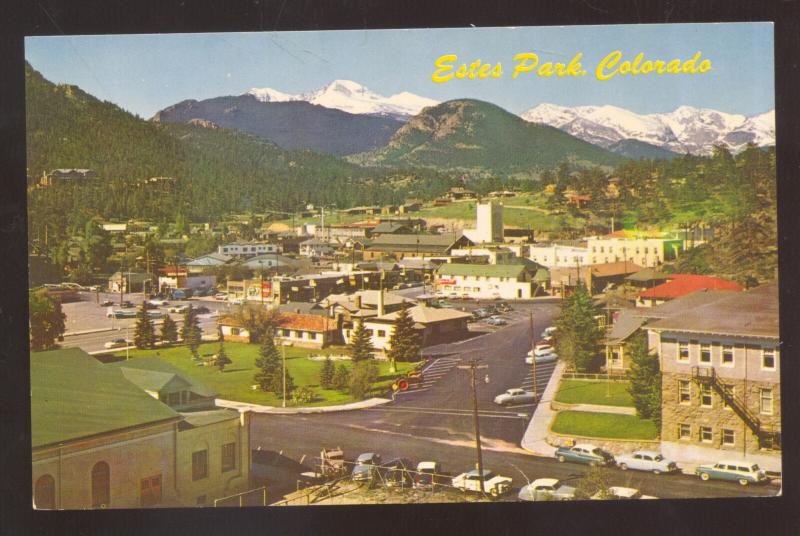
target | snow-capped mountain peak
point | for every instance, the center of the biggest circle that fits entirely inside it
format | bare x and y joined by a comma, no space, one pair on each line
352,97
685,129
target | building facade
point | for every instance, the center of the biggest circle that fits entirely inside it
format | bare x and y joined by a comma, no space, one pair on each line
247,248
489,224
485,281
560,255
646,251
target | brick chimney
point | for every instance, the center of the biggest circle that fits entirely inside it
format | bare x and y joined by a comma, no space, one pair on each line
358,301
380,302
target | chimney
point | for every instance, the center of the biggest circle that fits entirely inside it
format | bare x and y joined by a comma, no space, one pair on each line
358,301
380,302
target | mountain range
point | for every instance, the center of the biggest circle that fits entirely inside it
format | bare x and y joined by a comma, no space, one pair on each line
353,98
684,130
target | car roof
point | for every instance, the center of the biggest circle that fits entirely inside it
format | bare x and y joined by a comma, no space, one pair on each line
544,482
737,462
400,461
427,465
647,452
366,456
474,472
622,491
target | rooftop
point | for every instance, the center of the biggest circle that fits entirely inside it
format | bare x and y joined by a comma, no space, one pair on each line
609,269
682,284
488,270
422,314
75,396
195,419
305,322
154,374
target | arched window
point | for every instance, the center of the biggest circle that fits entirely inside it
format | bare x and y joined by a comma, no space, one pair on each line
101,485
44,493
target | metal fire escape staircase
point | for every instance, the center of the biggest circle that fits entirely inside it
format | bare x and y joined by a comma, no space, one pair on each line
708,376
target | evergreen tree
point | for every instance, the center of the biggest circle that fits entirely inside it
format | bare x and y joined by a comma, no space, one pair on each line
46,321
144,335
360,346
579,337
326,374
404,342
267,362
645,379
169,330
190,331
361,379
277,383
341,378
222,358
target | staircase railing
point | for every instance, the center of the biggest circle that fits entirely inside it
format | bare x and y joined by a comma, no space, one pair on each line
708,376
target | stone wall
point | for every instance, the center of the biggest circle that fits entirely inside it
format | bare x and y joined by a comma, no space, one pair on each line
614,446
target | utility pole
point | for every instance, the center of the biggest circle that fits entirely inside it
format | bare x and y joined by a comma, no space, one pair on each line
473,366
533,358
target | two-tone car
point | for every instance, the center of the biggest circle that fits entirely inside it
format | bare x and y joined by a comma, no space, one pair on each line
427,472
739,471
546,489
620,493
645,460
584,453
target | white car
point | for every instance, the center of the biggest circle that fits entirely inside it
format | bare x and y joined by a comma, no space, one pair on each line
494,485
546,358
178,308
546,489
645,460
116,343
496,321
549,332
158,303
541,350
515,396
620,492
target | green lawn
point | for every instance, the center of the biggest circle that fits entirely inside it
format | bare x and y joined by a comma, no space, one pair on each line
594,392
604,425
236,381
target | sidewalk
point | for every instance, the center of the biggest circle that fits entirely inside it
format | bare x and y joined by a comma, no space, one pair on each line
255,408
597,408
536,433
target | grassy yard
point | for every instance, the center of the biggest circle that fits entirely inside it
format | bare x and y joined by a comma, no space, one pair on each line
594,392
604,425
236,381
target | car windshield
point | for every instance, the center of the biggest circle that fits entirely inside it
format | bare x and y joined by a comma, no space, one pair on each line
658,458
754,467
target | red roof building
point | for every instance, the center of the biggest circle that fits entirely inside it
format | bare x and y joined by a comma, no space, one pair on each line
681,285
311,331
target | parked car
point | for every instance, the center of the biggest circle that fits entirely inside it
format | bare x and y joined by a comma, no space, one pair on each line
127,304
93,288
120,314
496,321
549,332
742,472
544,358
504,308
158,302
221,296
426,475
106,303
399,473
202,310
481,313
366,466
645,460
155,314
515,396
546,489
543,349
494,485
584,453
443,304
116,343
621,493
178,308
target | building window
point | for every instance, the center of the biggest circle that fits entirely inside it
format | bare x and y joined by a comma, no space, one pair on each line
727,356
150,490
684,431
286,332
684,392
769,441
228,457
44,493
728,437
235,331
298,334
765,401
199,464
369,332
101,485
683,351
312,336
706,399
730,393
705,353
705,434
768,358
381,333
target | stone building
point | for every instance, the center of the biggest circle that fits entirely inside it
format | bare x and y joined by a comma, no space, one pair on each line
720,385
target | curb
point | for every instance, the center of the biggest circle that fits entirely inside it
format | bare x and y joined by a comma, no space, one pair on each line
255,408
88,331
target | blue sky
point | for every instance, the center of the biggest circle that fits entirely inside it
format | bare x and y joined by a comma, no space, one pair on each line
145,73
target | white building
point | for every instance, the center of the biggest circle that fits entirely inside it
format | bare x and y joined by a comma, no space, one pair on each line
485,281
645,250
489,225
559,255
247,248
316,248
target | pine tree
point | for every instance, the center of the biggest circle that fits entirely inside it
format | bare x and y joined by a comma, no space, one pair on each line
360,346
222,358
326,374
190,331
645,380
341,378
404,342
579,337
46,321
144,335
277,383
169,330
268,363
361,379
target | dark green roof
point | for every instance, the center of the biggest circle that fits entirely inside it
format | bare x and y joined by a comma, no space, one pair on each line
75,396
194,419
488,270
154,374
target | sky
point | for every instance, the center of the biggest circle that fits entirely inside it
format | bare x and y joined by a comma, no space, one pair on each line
146,73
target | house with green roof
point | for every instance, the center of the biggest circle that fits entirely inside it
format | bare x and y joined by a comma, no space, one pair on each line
102,437
512,281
